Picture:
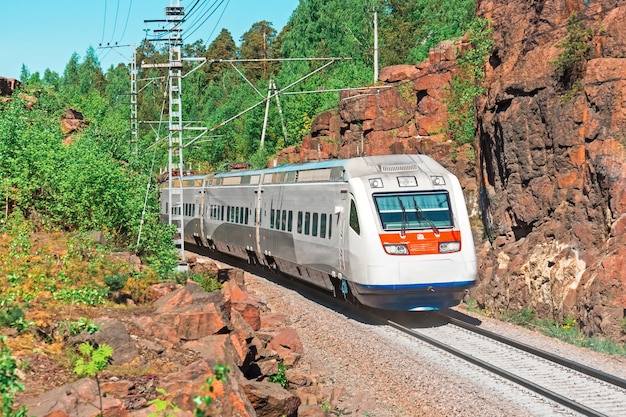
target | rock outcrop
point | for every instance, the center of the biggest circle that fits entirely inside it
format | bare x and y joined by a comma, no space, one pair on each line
546,175
8,86
552,167
178,344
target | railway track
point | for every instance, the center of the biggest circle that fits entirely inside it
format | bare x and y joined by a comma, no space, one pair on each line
577,387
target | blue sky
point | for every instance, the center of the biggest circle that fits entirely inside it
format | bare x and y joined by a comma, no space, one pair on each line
44,33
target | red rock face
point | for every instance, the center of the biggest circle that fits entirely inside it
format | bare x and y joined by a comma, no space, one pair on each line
546,172
8,85
404,115
552,169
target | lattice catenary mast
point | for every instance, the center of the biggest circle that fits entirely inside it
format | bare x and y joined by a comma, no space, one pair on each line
174,16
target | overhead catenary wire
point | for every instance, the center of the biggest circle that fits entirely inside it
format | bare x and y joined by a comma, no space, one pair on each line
194,27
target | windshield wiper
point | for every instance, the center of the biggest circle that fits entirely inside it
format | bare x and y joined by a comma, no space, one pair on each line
405,219
424,217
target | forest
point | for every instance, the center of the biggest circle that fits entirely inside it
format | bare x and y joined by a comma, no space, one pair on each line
95,180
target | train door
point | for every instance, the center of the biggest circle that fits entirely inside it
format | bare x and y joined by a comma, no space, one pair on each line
341,212
357,264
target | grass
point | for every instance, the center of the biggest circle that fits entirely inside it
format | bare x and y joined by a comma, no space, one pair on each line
566,331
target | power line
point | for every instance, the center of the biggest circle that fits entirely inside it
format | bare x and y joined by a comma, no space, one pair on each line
104,21
130,5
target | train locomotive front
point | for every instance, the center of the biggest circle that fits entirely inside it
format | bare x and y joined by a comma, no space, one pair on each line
410,243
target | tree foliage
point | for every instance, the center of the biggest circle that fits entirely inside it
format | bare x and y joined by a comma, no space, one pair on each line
94,180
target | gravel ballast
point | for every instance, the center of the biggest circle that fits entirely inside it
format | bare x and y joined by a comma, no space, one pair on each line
374,370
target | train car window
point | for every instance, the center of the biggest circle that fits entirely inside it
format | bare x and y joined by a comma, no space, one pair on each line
315,224
330,225
247,215
283,221
414,210
323,225
236,214
272,214
299,228
354,218
307,223
290,221
228,213
222,213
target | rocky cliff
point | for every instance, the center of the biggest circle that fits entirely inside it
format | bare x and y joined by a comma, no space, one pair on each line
545,178
551,165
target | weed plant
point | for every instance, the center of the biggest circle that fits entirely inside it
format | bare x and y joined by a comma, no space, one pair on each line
567,330
9,383
281,377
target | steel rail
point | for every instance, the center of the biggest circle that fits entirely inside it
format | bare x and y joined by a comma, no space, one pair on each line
567,402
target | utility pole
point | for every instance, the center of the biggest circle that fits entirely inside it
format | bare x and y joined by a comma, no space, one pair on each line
174,16
133,102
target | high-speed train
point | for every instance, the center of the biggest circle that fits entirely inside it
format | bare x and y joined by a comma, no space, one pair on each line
390,232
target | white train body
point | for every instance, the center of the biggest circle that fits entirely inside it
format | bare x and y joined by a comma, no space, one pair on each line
389,231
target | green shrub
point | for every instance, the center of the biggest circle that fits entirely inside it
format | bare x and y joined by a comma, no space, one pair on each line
280,378
116,282
9,383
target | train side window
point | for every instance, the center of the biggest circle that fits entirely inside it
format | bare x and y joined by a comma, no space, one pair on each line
354,218
307,223
323,225
283,222
222,213
330,225
272,214
290,221
299,228
247,214
315,224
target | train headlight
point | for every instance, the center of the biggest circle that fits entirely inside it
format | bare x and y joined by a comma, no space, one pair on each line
376,182
447,247
438,180
396,249
407,182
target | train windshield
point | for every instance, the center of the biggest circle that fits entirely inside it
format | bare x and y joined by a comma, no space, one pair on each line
405,211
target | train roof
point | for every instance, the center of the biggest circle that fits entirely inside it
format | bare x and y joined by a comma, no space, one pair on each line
334,170
355,167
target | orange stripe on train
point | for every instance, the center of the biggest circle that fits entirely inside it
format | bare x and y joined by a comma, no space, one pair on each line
423,242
